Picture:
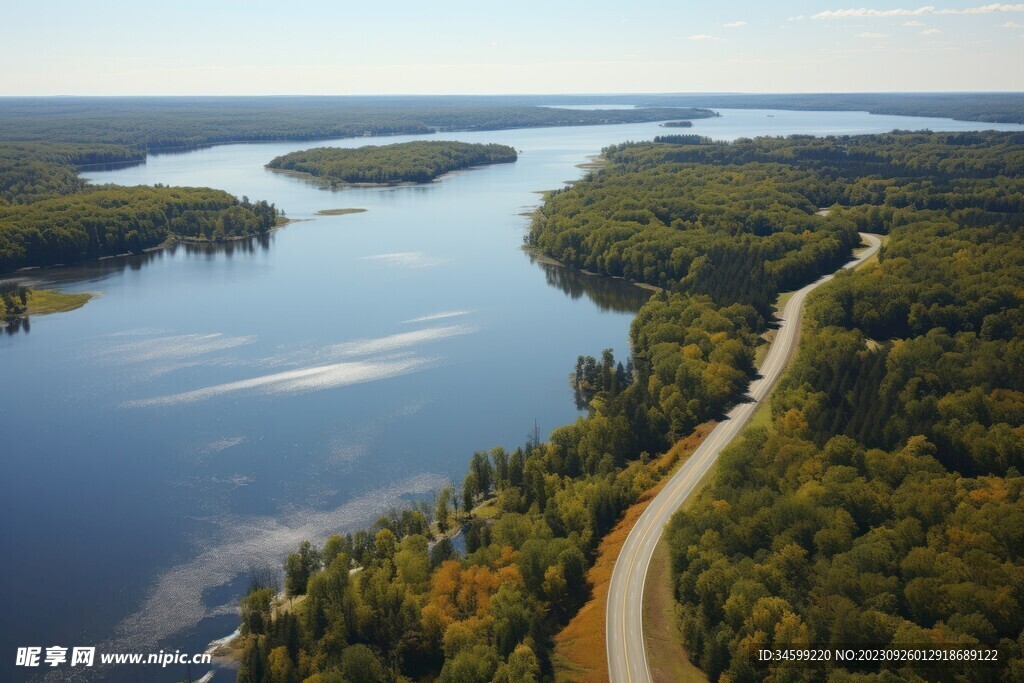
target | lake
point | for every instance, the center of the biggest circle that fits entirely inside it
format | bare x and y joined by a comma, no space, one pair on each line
213,407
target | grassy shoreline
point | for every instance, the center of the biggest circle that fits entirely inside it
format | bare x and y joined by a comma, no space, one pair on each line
45,302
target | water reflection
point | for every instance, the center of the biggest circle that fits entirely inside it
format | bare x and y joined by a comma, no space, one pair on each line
111,165
246,245
609,294
16,325
93,271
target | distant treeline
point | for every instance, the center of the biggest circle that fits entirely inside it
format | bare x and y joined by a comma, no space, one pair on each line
995,107
982,106
869,160
678,124
974,106
171,122
168,122
416,162
36,170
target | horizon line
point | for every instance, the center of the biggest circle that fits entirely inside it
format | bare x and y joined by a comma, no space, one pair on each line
523,94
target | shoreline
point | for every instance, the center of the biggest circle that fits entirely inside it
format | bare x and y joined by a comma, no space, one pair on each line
540,257
593,163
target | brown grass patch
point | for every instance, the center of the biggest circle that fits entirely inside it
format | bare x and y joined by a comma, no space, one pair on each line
580,653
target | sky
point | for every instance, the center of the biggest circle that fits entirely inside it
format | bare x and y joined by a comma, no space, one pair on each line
314,47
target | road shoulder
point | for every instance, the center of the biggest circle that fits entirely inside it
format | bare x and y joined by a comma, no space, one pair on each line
667,659
581,654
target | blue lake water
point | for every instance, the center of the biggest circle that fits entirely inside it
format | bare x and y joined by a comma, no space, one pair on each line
211,408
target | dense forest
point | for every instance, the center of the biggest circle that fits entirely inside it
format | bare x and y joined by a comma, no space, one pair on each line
730,230
155,123
49,215
413,162
884,503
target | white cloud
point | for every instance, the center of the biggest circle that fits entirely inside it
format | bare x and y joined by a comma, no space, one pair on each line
866,12
930,32
798,17
1011,24
703,36
871,34
915,22
862,12
735,24
985,9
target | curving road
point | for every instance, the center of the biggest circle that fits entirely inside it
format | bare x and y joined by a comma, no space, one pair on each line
627,661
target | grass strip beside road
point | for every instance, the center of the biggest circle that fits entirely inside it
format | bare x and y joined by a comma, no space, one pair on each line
581,654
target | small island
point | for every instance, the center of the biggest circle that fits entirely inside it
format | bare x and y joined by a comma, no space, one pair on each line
678,124
404,162
338,212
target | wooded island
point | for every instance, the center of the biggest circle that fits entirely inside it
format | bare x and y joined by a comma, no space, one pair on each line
406,162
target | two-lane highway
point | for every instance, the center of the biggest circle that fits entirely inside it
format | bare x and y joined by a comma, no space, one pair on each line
627,660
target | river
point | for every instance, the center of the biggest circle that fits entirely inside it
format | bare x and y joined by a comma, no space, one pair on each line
212,407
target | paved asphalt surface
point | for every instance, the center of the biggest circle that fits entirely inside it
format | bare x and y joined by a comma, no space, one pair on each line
627,661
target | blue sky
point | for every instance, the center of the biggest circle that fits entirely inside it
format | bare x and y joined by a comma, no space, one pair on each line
103,47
